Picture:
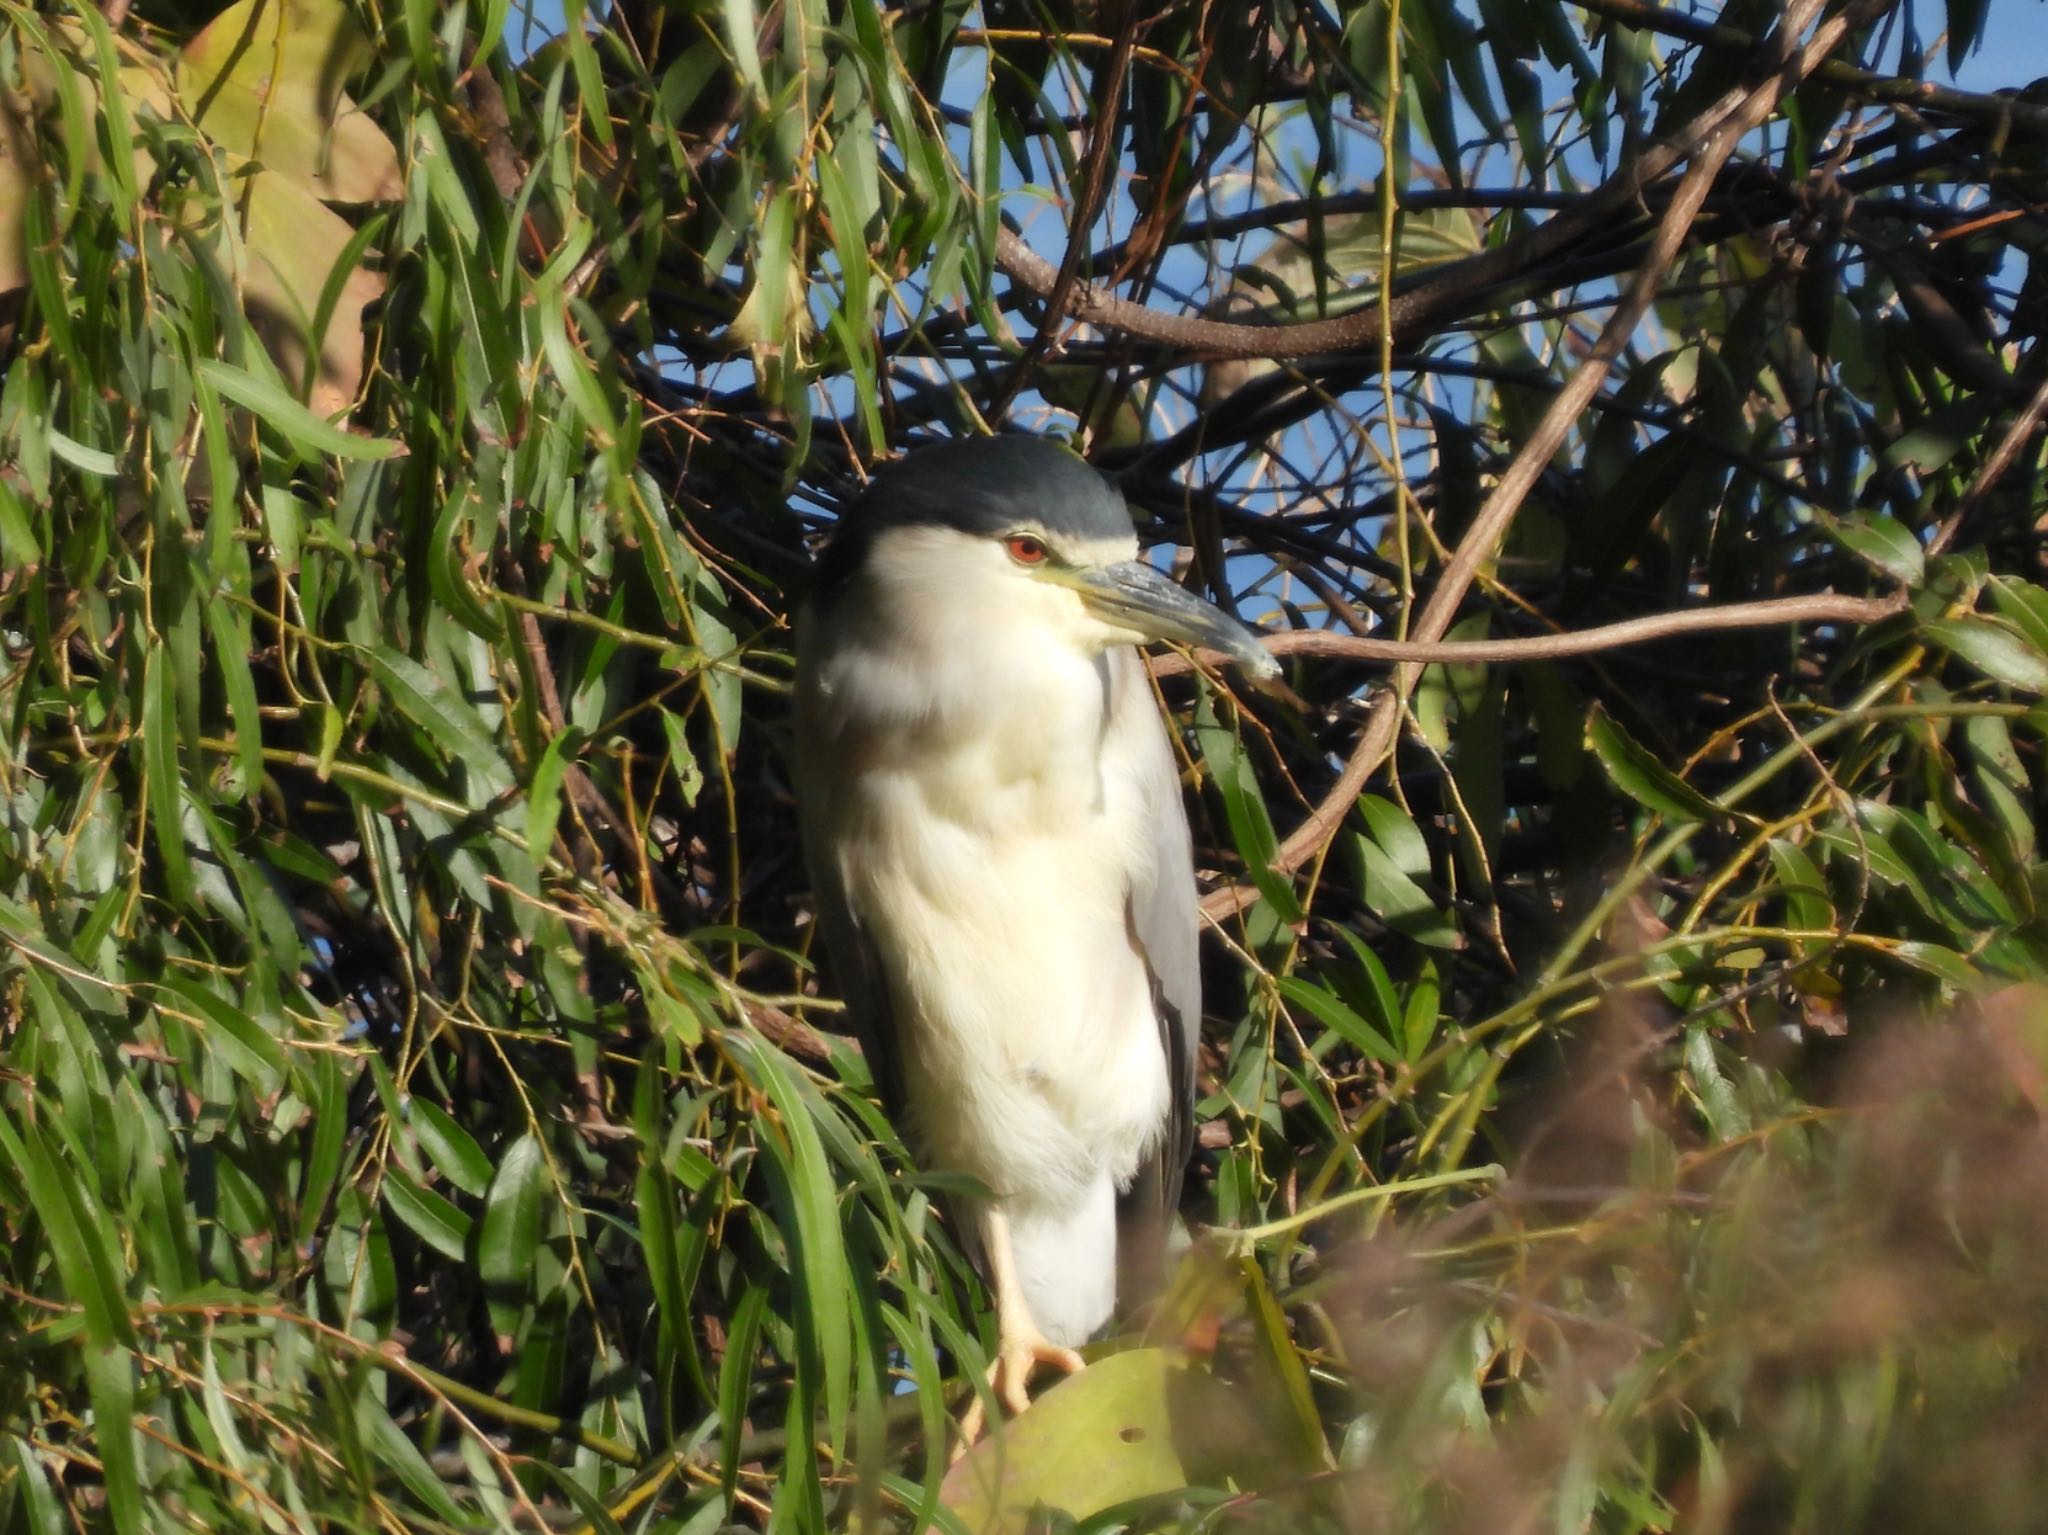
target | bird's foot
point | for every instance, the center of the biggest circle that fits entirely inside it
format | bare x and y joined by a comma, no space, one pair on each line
1009,1380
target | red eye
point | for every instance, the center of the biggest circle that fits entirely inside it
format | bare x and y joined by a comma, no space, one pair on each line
1026,550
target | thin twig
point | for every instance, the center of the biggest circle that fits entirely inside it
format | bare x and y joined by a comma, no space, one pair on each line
1993,469
1819,607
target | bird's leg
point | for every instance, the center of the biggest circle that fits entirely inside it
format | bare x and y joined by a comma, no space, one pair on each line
1020,1347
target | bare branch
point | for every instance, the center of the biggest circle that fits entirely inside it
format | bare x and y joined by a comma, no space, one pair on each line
1817,608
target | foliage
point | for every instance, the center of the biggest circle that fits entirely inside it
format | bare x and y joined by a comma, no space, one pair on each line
418,1107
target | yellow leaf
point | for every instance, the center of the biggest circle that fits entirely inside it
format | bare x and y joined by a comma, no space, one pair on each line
263,79
1133,1425
16,177
292,243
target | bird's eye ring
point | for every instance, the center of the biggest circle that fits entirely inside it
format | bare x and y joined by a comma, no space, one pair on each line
1026,550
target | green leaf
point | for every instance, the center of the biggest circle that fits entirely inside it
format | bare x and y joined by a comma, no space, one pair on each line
1396,899
1134,1425
397,1454
1244,807
571,369
736,1374
231,656
544,794
158,743
453,1150
1334,1015
247,1046
1397,835
741,36
86,460
1884,543
1639,775
1378,1000
1999,652
807,1194
509,1238
84,1252
110,1380
2025,606
39,1509
1807,903
426,700
431,1216
305,431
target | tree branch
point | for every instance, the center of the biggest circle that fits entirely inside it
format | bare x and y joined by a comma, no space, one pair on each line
1818,607
1994,111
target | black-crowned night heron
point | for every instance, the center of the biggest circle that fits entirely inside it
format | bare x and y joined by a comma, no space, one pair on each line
992,813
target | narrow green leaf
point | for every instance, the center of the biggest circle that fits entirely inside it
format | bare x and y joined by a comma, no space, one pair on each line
1807,904
1885,543
244,1042
82,458
570,367
42,1513
432,1217
1396,832
1380,1002
807,1194
510,1234
1389,894
1997,651
86,1262
736,1375
291,420
110,1380
453,1150
1244,807
231,656
429,702
158,743
1638,774
544,794
742,37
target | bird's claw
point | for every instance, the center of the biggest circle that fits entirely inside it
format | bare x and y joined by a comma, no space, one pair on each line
1009,1381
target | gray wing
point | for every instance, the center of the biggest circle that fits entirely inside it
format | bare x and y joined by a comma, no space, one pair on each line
1164,921
855,970
856,974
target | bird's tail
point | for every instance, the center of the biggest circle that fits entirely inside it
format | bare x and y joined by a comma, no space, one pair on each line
1066,1263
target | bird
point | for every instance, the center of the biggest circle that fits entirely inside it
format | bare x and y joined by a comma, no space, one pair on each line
1004,881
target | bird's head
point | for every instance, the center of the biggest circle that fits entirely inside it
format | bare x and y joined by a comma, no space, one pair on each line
1016,534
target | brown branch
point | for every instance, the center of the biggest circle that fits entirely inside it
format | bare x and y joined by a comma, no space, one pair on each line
1716,133
792,1036
1453,286
1447,291
1993,469
1817,608
1993,110
1954,345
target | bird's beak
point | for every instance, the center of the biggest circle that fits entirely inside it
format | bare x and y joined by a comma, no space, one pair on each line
1135,596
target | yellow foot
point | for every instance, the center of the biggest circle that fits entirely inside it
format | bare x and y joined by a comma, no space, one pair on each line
1009,1379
